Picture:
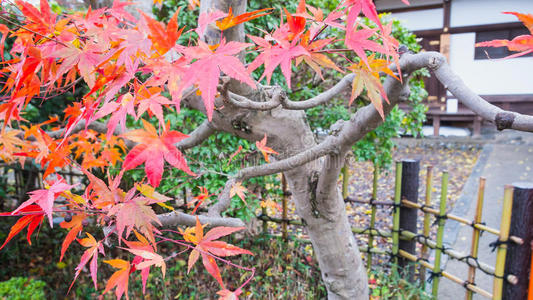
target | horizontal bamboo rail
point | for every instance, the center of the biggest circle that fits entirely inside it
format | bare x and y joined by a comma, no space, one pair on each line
404,234
451,277
456,255
435,212
482,227
374,250
374,202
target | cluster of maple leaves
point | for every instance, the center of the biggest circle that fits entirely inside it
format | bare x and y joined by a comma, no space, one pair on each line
109,49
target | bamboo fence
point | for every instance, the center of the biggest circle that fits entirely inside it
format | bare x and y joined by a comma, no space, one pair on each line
440,214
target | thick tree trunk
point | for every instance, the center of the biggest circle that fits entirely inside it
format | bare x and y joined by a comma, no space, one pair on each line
323,213
335,247
289,133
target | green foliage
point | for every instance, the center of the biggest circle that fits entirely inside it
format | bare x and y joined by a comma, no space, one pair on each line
22,288
387,283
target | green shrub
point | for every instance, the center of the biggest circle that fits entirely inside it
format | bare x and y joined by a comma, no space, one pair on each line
387,283
22,288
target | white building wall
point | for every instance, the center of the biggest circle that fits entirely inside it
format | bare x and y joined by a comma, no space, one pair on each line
485,77
421,19
479,12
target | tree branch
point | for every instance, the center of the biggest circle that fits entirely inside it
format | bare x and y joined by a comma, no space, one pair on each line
329,145
178,218
321,98
243,102
197,136
503,119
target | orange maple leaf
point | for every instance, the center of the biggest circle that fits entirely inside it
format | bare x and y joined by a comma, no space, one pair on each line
200,198
270,203
261,145
238,189
208,248
163,39
120,278
230,20
75,226
367,76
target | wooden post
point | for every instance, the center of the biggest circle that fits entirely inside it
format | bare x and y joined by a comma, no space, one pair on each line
284,214
427,224
396,214
372,215
519,256
475,235
408,216
497,288
436,125
440,234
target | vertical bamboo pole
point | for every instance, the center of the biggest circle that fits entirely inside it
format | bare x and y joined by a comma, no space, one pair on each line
427,224
396,214
497,287
284,214
475,235
345,179
519,256
440,234
372,215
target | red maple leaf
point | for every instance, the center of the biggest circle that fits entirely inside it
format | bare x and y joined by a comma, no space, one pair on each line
205,71
153,149
366,6
358,41
272,56
45,197
41,21
523,44
200,198
142,244
95,247
32,216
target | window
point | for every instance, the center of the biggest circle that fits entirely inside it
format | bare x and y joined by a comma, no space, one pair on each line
500,52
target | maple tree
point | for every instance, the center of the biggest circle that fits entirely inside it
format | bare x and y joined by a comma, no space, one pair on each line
142,70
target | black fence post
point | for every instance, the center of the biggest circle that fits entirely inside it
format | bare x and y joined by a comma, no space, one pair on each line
408,216
518,258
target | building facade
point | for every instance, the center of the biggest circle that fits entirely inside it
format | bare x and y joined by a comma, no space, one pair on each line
453,27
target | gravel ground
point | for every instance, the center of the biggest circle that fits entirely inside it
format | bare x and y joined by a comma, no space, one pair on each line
458,160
